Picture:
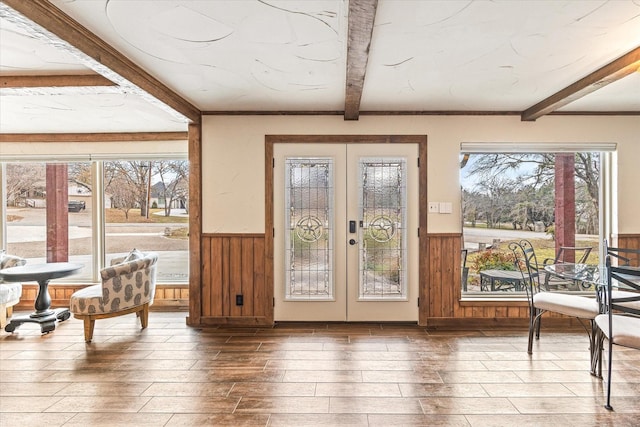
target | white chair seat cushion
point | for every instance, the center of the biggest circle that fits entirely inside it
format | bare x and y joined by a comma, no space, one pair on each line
10,292
87,301
569,305
626,329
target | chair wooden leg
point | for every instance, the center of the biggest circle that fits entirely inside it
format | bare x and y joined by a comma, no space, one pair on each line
89,324
10,311
144,316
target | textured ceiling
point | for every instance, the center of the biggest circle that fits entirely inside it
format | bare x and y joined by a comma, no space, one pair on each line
274,56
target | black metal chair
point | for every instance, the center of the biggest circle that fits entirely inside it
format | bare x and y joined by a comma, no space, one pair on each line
620,322
541,301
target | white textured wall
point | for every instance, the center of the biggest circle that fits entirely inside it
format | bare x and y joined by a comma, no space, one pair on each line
233,157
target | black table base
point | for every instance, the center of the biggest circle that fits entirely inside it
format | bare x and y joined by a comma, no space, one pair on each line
47,320
41,273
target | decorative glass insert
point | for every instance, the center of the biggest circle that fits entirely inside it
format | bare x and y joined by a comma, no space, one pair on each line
382,194
309,225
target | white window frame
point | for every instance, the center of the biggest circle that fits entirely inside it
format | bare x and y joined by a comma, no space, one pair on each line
607,194
97,169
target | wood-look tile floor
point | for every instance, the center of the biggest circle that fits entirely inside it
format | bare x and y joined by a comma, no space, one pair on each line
305,375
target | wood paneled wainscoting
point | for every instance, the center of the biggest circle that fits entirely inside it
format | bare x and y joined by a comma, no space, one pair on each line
233,288
169,297
234,264
446,307
628,241
443,288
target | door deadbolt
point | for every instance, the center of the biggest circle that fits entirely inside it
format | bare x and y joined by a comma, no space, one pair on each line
352,242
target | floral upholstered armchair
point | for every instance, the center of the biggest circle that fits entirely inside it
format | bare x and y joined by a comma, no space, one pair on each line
128,286
10,293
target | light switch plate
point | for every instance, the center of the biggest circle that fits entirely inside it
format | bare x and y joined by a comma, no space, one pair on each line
434,207
446,207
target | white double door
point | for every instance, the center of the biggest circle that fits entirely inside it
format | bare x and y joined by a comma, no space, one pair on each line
346,232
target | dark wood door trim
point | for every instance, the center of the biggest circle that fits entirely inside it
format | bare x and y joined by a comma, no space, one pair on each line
423,257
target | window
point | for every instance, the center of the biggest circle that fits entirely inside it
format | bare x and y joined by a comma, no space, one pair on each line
551,199
146,207
27,215
98,210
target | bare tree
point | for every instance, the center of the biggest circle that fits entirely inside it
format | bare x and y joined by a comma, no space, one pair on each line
174,176
122,198
80,174
538,181
500,195
21,179
127,182
179,188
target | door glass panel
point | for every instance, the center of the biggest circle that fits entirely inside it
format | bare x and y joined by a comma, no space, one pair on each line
383,233
309,246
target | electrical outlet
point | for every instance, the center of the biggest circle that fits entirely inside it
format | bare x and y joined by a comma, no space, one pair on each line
239,299
434,207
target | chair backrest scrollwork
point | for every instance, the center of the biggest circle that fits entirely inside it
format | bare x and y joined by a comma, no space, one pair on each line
527,263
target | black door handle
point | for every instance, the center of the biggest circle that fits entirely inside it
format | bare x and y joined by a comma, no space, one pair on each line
352,242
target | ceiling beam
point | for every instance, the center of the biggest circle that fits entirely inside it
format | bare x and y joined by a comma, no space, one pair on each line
621,67
119,68
362,15
66,80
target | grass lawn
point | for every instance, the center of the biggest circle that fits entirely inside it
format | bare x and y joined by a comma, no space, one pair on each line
118,216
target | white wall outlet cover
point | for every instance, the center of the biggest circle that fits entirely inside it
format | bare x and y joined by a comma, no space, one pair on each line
434,207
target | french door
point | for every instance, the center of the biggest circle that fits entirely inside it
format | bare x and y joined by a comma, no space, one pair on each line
345,232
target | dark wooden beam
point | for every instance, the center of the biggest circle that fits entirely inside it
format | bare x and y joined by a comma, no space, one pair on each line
71,80
195,224
57,185
362,15
54,20
611,72
94,137
565,203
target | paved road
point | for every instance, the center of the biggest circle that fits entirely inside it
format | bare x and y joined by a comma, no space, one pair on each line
474,236
27,237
